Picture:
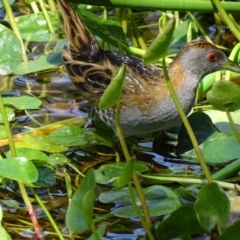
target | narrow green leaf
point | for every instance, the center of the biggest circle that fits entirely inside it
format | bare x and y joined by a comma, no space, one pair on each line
100,233
212,206
159,47
126,174
113,92
80,209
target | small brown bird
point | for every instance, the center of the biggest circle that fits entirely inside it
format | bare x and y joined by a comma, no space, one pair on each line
146,104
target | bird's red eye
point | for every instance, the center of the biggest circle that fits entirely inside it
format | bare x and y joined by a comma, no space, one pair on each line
211,57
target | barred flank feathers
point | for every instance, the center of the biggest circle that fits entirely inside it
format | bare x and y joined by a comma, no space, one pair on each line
80,39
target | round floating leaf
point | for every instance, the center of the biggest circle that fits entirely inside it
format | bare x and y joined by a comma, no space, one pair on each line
126,175
11,50
23,102
30,154
217,147
19,169
39,142
33,27
113,92
225,95
160,200
159,47
45,62
212,206
10,114
107,173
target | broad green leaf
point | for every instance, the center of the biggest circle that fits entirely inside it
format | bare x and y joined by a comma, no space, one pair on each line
75,136
10,114
159,47
212,206
160,200
11,51
39,142
57,159
23,102
220,120
30,154
3,133
232,232
225,95
19,169
216,146
107,173
45,62
181,223
126,174
80,209
4,235
113,92
33,27
11,203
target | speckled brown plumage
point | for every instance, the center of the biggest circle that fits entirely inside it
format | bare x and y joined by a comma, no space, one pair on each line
146,104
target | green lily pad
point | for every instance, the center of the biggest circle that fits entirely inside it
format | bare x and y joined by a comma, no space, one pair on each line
75,136
217,147
45,62
11,50
107,173
160,200
39,142
33,27
225,95
23,102
30,154
19,169
10,114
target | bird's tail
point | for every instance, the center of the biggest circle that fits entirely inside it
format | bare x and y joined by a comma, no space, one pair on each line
80,39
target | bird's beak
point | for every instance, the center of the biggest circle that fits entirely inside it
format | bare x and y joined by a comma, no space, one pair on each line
232,66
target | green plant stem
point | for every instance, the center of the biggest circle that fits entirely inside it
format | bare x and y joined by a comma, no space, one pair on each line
135,178
96,237
226,18
21,185
233,126
149,233
60,236
186,124
200,28
45,13
136,31
166,5
32,118
15,27
191,181
232,56
34,6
